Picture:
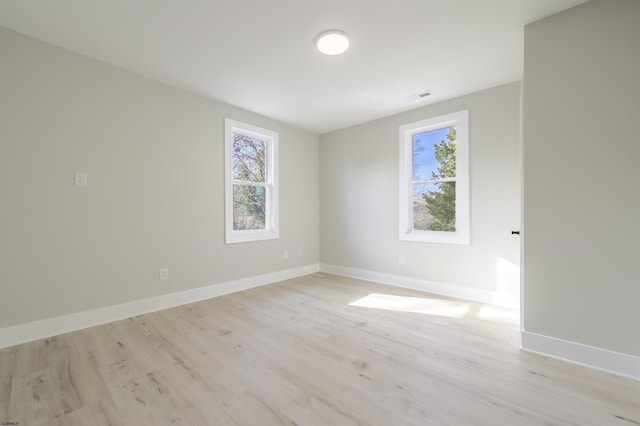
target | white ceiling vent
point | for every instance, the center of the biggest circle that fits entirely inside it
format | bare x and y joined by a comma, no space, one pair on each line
419,96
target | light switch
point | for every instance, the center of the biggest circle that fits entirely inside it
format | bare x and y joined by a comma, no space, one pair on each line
81,179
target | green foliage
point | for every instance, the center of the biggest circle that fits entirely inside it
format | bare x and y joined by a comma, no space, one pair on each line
249,206
442,203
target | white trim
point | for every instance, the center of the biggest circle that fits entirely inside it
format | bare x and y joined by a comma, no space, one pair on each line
459,120
271,137
28,332
499,298
600,359
522,201
577,353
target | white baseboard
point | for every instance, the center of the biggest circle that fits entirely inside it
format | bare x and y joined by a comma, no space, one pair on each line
576,353
29,332
600,359
509,300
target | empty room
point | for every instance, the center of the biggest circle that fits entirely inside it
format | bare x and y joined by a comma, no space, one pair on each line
319,212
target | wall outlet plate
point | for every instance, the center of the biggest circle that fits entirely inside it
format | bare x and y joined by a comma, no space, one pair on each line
164,274
81,179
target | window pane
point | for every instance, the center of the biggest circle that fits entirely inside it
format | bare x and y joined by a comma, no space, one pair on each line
434,154
249,207
248,158
434,206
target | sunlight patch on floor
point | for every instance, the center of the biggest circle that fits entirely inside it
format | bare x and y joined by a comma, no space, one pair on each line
418,305
496,313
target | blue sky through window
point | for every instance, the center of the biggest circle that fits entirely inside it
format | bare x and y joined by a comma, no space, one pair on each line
424,159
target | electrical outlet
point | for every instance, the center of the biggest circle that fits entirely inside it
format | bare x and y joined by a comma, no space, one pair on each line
299,252
164,274
80,179
401,260
285,254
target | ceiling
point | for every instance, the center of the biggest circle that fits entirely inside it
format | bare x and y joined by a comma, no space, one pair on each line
259,54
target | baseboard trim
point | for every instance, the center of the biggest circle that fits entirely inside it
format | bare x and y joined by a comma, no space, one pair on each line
577,353
23,333
509,300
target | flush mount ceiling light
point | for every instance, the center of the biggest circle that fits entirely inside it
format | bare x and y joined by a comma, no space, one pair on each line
332,42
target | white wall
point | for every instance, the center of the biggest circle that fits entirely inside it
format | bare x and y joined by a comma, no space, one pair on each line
582,178
359,198
154,157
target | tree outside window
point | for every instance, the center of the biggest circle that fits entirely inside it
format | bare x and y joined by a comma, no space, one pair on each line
434,183
434,196
249,182
251,190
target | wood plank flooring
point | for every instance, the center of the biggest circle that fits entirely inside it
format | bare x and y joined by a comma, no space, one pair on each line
316,350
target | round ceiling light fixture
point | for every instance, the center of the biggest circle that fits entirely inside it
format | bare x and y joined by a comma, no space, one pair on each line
332,42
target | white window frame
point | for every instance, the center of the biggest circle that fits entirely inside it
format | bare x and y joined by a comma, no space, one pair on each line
271,230
459,120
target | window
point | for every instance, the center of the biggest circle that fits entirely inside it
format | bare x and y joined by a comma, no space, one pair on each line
434,180
251,183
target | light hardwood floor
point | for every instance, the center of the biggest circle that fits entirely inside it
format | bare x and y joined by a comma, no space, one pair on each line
306,352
